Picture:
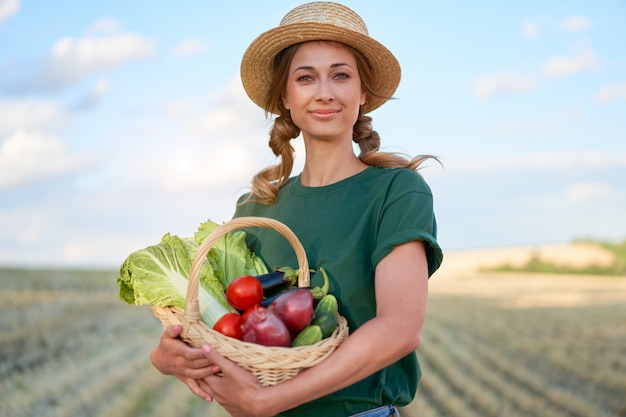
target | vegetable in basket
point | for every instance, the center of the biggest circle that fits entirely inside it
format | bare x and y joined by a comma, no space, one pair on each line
244,292
262,326
285,279
323,325
295,309
292,307
230,325
278,281
158,275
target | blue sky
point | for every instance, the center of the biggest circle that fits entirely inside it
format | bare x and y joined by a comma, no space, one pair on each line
121,121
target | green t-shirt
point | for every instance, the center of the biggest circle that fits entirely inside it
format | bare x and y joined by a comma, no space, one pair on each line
347,228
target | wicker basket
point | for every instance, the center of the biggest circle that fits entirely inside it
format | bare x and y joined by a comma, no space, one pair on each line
270,365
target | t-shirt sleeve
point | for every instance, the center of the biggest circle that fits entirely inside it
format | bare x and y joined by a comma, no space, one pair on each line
408,215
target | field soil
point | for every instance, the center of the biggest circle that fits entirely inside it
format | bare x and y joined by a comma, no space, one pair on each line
494,344
523,344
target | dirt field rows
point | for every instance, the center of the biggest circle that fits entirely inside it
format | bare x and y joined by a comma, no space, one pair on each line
69,347
493,345
482,358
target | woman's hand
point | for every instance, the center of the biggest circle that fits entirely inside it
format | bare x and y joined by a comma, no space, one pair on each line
174,357
236,389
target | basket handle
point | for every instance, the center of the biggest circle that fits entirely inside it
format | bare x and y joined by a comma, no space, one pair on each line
192,307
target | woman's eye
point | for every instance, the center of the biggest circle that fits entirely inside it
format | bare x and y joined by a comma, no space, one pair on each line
305,78
342,76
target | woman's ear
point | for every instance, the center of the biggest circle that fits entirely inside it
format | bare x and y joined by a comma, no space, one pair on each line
363,97
285,101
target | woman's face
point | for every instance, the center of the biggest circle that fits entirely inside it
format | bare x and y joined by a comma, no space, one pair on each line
323,92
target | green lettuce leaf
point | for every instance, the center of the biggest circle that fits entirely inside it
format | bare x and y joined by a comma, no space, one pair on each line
230,256
158,275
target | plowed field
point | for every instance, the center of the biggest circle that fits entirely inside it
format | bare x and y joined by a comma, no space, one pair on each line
493,345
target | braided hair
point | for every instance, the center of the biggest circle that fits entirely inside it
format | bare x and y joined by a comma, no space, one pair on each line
267,183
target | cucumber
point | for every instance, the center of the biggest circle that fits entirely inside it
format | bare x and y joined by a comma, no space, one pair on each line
327,322
327,303
309,336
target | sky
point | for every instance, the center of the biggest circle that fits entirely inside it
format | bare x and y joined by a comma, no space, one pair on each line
122,121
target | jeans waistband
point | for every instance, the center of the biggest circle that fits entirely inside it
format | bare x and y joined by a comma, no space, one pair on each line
384,411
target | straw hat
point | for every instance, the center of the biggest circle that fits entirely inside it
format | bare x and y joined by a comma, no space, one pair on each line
318,21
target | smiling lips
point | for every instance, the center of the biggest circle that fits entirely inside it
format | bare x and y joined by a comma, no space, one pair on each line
324,113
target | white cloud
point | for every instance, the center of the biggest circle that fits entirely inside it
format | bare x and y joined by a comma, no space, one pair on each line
91,54
530,30
180,108
554,124
219,120
8,8
586,160
101,87
76,253
30,157
232,112
562,66
195,167
576,23
190,47
104,26
72,59
611,92
501,83
22,224
545,161
226,147
588,191
99,90
31,114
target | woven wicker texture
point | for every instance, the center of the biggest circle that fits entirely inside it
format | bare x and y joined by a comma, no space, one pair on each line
271,365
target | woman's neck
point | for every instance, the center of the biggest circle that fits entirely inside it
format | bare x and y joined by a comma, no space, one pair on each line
327,163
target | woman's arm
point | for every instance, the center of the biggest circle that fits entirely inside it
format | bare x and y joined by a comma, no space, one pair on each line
401,298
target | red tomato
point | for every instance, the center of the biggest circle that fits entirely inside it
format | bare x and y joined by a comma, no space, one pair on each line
230,324
244,292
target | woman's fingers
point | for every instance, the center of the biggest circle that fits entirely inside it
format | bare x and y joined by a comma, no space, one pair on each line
172,332
214,356
200,390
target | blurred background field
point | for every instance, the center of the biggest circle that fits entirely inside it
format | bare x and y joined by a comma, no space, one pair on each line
496,343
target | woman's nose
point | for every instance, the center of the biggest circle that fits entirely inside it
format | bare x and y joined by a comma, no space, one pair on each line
324,91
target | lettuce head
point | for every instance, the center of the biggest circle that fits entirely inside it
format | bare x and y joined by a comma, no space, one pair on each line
158,275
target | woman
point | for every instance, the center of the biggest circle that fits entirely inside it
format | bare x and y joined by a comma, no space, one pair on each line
367,220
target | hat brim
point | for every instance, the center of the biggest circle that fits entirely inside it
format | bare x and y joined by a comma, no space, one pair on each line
258,60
